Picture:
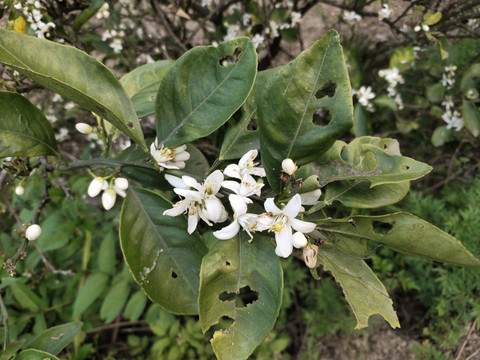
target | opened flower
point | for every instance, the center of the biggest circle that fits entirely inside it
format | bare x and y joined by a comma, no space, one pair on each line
248,187
282,222
245,166
169,158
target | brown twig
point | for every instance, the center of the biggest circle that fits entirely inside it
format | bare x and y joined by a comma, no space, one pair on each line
115,325
462,348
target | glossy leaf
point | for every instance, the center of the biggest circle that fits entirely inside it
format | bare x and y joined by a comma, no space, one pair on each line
142,85
54,339
73,74
227,270
404,233
316,80
471,117
163,258
198,94
363,291
369,158
114,301
24,130
33,354
90,292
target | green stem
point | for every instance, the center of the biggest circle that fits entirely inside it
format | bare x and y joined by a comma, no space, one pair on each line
105,162
4,317
214,166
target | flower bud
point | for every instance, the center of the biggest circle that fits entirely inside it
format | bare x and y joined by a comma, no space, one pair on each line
310,256
84,128
425,28
19,190
299,240
108,198
417,28
33,232
121,183
95,186
289,167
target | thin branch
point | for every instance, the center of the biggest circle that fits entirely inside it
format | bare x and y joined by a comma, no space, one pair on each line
4,318
115,325
462,348
48,264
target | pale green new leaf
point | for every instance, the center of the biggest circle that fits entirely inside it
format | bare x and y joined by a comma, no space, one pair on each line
236,267
73,74
54,339
363,291
142,85
198,94
24,130
403,232
163,258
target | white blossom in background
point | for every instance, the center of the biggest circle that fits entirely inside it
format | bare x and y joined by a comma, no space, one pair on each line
448,77
283,221
19,190
453,119
103,12
62,134
273,29
246,19
232,32
170,158
33,232
351,16
296,18
448,102
364,95
385,12
246,166
258,40
425,28
84,128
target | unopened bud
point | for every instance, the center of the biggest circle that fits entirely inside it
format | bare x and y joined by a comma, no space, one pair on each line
425,28
299,240
289,167
19,190
417,28
108,198
96,186
121,183
310,256
33,232
84,128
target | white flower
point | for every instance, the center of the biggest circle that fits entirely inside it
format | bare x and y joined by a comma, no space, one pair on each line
364,95
392,76
245,166
62,134
170,158
296,17
33,232
351,16
84,128
385,12
19,190
283,221
248,187
448,102
258,40
96,185
103,11
201,203
289,167
453,120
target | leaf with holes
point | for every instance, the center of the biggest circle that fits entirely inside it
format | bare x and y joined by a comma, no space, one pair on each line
241,281
364,292
403,232
199,93
163,258
73,74
24,130
142,85
315,84
369,158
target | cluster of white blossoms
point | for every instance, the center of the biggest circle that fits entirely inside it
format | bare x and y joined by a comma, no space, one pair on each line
117,186
351,16
448,77
385,12
393,78
169,158
452,117
116,39
364,95
201,201
33,11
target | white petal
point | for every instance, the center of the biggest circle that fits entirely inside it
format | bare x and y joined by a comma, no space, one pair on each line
293,207
227,232
182,156
284,242
180,164
191,182
169,165
213,207
231,185
96,186
108,198
271,207
121,183
302,226
245,160
264,222
177,209
120,192
238,204
176,182
311,197
215,180
192,222
233,170
257,171
299,240
180,149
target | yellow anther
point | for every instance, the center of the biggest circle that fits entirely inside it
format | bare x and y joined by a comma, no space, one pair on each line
277,227
208,189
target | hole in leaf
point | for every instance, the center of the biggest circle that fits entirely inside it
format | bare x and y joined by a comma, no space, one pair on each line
243,298
130,125
327,89
231,59
385,147
174,275
322,116
227,263
381,228
225,322
405,167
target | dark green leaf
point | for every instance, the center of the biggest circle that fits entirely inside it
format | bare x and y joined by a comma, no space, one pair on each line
73,74
90,292
163,258
317,80
135,306
435,92
55,339
362,289
26,298
142,85
471,117
252,270
86,14
198,94
442,135
114,301
361,121
24,130
11,349
33,354
107,255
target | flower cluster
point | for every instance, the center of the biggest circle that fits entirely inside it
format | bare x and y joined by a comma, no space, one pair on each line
450,116
448,77
364,95
35,17
110,190
201,201
393,78
385,12
169,158
351,16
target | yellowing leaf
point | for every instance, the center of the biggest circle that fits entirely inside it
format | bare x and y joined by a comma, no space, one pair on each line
20,25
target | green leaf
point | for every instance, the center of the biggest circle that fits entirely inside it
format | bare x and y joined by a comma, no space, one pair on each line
442,135
431,19
107,255
135,306
435,92
26,298
24,130
73,74
237,267
142,85
404,233
364,292
163,258
197,95
55,339
402,58
385,101
11,349
86,14
114,301
471,78
471,117
316,80
90,292
369,158
361,121
33,354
